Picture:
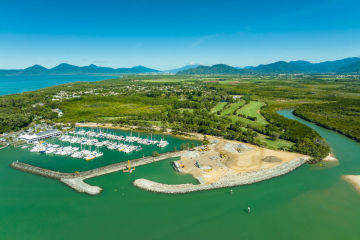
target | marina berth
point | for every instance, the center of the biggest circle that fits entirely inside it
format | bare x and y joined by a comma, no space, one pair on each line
73,152
87,139
112,142
131,139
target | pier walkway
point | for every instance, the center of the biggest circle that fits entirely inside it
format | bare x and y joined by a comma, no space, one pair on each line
76,180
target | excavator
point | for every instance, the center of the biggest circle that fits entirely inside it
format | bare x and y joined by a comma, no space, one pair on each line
129,169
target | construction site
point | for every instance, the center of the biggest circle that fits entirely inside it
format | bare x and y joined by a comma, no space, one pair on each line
222,158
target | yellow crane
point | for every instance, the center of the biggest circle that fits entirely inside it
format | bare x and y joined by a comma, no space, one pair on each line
129,169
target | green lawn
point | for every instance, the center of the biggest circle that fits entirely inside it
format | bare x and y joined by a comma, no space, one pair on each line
277,144
107,108
232,108
253,110
218,107
186,109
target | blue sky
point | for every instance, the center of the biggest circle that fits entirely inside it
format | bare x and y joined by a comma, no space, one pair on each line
165,34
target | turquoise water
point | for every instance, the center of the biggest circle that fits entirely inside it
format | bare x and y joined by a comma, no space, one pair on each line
18,84
310,203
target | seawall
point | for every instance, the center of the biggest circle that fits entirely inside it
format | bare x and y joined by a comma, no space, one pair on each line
229,181
76,180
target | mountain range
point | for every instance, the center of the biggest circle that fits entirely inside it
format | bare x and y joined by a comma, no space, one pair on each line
343,66
220,69
187,67
68,69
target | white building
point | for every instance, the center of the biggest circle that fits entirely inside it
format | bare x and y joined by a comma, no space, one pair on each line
29,138
58,111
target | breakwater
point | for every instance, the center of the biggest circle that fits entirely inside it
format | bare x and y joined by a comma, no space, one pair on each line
4,146
231,180
76,180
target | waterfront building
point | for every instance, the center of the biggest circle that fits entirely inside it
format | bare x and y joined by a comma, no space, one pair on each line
29,138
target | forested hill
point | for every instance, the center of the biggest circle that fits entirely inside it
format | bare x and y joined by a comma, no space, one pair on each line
65,68
343,66
218,69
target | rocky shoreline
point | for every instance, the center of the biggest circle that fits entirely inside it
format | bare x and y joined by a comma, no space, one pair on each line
236,179
76,180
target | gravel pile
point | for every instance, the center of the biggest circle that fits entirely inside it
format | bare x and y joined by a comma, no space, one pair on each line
244,147
230,147
191,154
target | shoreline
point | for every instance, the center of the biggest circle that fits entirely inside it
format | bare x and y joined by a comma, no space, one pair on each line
331,158
156,130
354,180
232,181
317,123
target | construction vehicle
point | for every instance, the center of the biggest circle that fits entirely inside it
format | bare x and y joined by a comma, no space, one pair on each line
129,169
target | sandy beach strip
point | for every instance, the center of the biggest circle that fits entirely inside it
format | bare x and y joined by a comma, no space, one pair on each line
330,158
354,180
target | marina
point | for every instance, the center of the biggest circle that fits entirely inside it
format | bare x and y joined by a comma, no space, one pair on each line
313,190
219,164
79,150
76,180
86,141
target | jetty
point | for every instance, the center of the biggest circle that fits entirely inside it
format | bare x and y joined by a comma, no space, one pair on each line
76,180
232,180
4,146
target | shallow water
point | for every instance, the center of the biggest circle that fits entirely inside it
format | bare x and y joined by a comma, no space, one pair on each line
310,203
18,84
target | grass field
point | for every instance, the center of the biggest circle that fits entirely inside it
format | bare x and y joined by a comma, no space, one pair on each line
218,107
186,109
277,144
253,110
231,108
104,109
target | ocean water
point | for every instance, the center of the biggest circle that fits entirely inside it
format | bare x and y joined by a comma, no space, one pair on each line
18,84
310,203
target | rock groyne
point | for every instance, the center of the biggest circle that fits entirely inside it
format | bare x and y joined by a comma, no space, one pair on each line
236,179
76,180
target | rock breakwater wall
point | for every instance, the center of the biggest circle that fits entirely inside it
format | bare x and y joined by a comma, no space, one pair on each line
228,181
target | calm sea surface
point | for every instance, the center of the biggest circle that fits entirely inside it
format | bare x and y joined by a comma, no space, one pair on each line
18,84
309,203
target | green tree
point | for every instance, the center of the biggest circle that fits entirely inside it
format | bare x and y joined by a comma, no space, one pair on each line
155,154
